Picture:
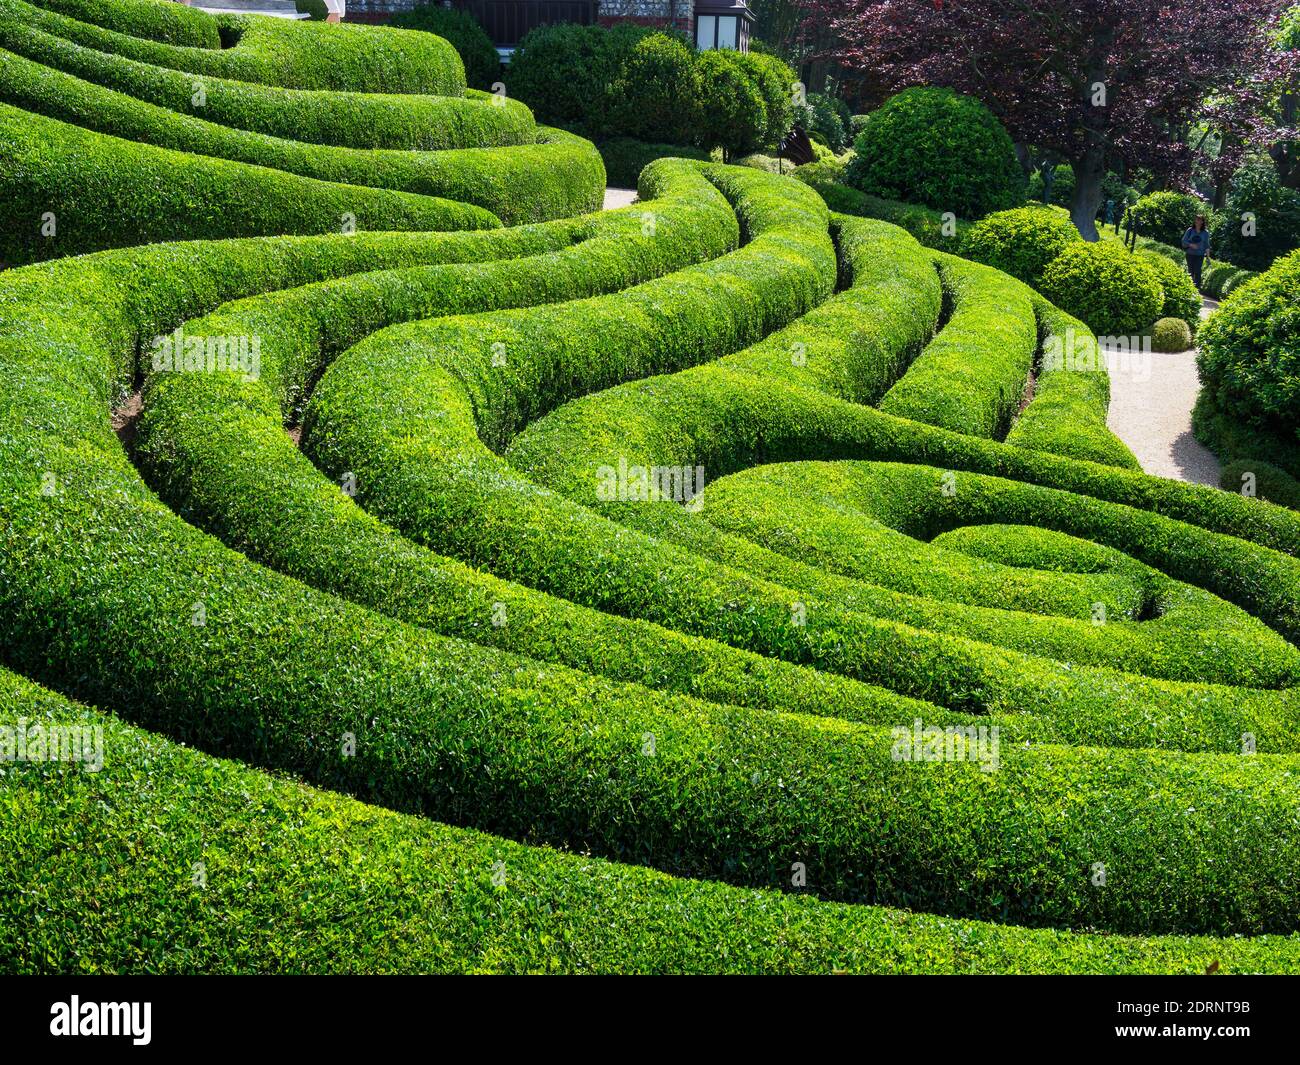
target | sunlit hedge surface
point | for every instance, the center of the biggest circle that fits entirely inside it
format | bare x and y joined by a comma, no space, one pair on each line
718,584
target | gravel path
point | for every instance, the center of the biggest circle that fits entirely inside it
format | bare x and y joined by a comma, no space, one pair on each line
1151,400
618,197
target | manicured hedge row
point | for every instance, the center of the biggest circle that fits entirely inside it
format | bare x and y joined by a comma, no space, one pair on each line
345,119
972,376
557,177
1067,414
277,673
787,267
70,191
1220,279
208,441
431,715
406,894
708,402
166,22
1111,291
630,425
294,54
559,548
106,592
931,228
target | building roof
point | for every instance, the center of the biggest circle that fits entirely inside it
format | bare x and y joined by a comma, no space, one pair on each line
724,7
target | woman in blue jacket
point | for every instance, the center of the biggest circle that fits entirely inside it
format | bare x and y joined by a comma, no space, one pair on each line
1196,243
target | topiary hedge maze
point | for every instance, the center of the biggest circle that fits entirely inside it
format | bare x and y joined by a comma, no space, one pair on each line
625,591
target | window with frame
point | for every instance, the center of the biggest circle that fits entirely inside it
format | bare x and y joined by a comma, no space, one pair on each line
706,32
728,32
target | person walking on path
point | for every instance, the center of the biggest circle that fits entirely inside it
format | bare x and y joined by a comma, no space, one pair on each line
1196,243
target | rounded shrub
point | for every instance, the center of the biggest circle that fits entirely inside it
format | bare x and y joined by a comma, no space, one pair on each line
463,32
735,119
1261,479
564,73
1020,242
1165,216
1106,286
773,78
1250,349
1171,334
656,96
941,149
1181,300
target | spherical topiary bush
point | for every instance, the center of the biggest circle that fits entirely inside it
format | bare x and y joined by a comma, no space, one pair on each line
463,32
1165,216
1108,287
1171,334
735,119
1250,349
565,73
1021,241
657,96
1262,480
1181,298
774,79
558,71
941,149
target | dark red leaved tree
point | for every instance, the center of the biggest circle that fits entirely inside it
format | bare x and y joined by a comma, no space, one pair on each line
1100,83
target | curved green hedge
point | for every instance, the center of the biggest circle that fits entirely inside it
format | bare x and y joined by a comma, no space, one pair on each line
1067,413
169,23
207,439
472,609
406,894
525,183
71,191
343,119
293,54
424,711
972,375
533,540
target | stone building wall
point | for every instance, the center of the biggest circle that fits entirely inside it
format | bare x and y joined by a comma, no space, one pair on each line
680,13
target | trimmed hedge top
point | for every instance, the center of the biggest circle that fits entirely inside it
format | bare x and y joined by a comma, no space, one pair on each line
479,581
938,148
